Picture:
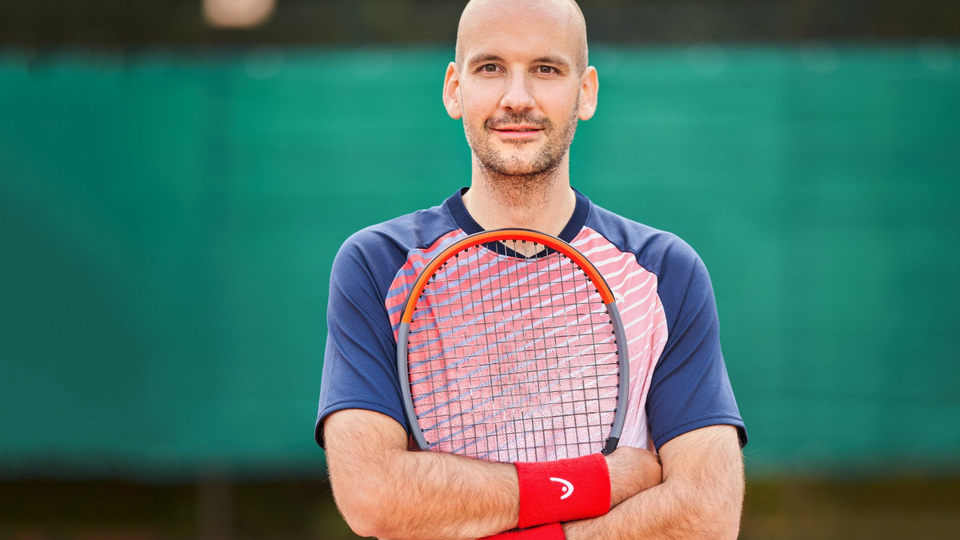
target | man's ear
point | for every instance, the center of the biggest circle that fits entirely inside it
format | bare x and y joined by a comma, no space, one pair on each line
589,87
451,92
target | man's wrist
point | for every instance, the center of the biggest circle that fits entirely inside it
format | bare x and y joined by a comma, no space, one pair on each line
563,490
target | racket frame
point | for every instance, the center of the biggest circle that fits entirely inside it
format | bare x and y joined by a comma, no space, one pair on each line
554,243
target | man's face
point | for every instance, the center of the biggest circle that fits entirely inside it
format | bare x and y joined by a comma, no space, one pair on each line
518,87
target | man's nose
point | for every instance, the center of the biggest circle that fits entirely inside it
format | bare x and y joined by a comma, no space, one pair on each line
518,96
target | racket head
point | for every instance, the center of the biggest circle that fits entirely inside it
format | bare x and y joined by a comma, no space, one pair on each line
507,356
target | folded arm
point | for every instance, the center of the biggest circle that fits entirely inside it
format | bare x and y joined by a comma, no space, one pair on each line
384,490
701,496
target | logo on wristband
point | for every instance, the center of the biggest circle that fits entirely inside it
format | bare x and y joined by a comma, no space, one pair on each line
567,487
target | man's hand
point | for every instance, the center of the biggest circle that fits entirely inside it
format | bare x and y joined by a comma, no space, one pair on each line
632,470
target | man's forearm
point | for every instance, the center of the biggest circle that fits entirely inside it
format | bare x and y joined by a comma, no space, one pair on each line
398,494
661,512
382,489
701,496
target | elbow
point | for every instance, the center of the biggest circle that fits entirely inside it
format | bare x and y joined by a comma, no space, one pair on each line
721,520
363,525
367,512
365,501
702,523
357,519
729,509
727,523
710,517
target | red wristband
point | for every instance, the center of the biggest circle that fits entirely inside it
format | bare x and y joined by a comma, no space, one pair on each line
563,490
553,531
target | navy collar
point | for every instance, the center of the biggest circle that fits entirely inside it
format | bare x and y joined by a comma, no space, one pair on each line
466,222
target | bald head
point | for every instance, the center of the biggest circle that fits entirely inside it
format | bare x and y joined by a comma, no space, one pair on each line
481,16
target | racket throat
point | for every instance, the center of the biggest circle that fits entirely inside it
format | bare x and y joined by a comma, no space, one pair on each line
612,443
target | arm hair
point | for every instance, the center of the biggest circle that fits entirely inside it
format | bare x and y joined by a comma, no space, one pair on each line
383,489
701,497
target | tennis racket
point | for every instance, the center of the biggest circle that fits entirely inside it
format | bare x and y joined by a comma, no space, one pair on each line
511,348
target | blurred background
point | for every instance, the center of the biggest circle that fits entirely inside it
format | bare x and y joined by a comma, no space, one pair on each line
176,177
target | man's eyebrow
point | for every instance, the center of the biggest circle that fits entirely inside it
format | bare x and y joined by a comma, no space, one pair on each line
484,58
556,60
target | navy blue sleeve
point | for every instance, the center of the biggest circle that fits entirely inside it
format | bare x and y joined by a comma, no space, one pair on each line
690,388
359,365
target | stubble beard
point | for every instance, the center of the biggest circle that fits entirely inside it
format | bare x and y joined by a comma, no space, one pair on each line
514,176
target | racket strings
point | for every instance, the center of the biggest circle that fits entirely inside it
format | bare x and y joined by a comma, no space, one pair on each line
513,358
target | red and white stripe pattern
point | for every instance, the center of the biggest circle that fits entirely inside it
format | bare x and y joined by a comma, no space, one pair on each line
403,282
643,317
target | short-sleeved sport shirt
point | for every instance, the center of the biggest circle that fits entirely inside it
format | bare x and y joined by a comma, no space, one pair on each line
678,380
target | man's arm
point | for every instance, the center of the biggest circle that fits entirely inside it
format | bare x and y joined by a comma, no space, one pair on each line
384,490
701,496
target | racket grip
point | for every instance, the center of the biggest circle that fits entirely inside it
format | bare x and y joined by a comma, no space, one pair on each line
553,531
563,490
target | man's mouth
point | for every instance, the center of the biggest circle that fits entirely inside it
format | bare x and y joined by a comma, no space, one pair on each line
517,128
517,132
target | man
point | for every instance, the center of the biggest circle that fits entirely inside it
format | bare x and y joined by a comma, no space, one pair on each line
520,83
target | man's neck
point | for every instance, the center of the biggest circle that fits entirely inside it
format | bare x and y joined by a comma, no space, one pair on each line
543,204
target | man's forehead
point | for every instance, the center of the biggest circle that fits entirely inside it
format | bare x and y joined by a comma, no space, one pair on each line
527,28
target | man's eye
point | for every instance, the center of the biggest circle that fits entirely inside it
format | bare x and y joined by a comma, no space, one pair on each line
546,70
489,68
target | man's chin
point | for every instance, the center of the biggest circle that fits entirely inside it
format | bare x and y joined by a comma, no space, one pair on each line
529,160
516,169
517,163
